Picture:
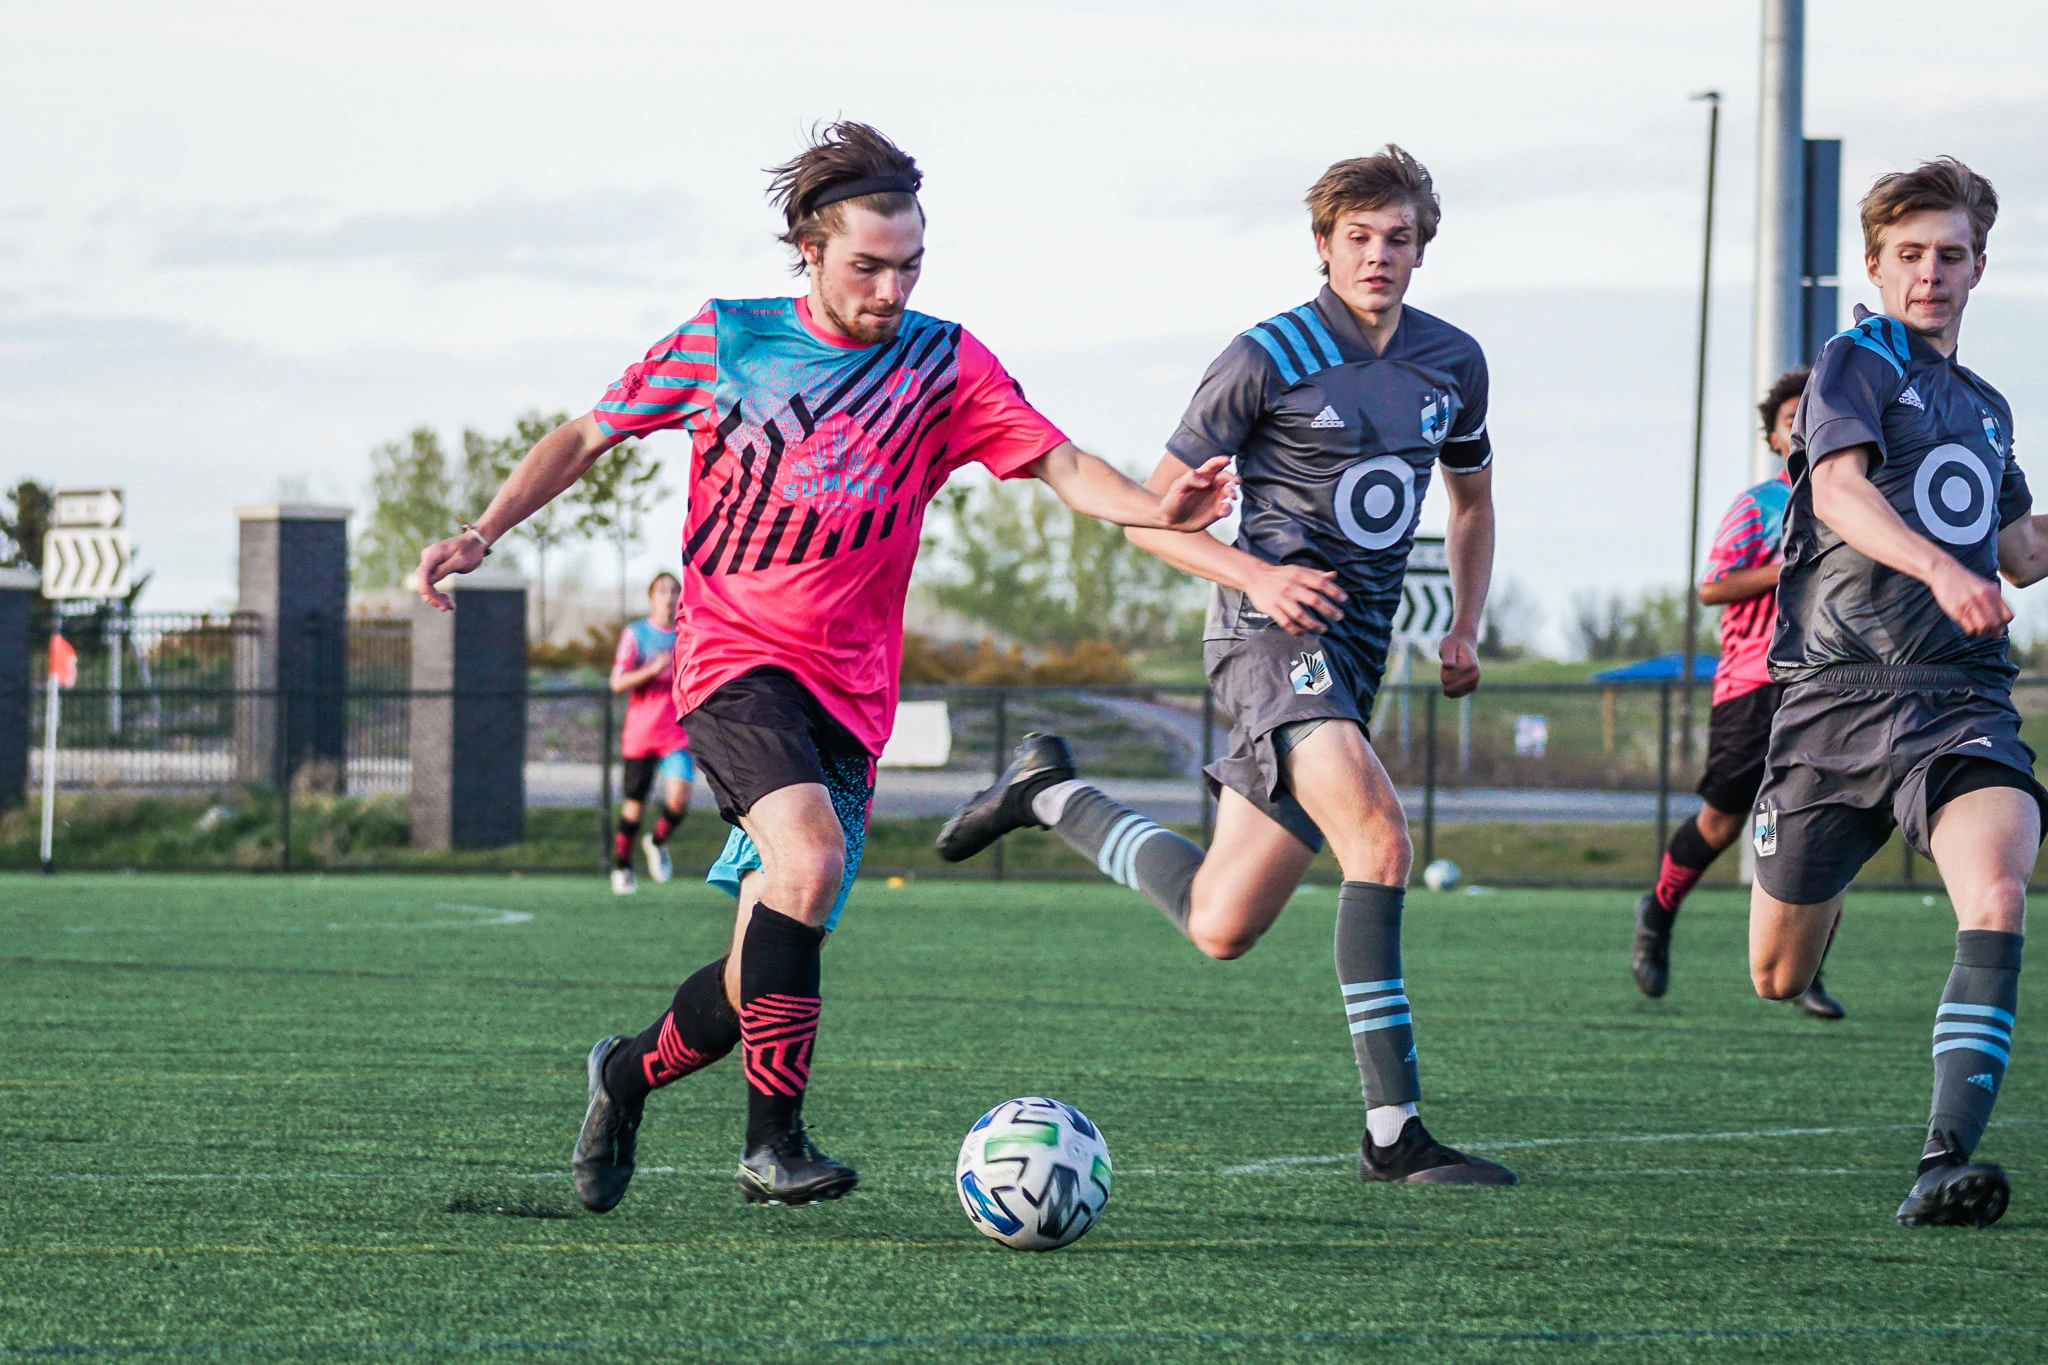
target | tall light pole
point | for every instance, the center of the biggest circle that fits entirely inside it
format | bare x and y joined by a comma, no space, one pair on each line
1699,432
1780,205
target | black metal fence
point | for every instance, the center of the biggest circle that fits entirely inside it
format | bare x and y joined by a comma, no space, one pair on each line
163,738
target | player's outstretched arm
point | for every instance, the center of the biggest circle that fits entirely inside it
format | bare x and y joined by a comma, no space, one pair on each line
1846,499
557,460
2023,551
1193,502
1303,601
1468,545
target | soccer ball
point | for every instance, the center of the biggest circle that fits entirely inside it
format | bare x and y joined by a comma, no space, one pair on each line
1441,875
1033,1174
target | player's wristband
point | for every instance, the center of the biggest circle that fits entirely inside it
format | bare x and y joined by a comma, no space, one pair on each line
478,536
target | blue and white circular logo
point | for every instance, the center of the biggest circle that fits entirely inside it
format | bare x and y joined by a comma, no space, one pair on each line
1376,502
1953,495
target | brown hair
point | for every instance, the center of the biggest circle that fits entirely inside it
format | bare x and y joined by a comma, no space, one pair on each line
1790,385
1388,176
655,581
1943,183
841,152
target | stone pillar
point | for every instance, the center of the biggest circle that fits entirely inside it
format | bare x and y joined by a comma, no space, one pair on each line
18,589
291,674
469,715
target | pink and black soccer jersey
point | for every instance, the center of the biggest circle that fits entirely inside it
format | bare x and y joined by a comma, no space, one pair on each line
812,461
651,727
1750,537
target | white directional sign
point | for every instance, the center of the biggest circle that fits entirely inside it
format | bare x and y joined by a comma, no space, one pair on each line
100,508
85,563
1425,611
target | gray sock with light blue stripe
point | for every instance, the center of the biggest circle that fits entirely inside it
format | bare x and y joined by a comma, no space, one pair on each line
1973,1037
1146,856
1375,997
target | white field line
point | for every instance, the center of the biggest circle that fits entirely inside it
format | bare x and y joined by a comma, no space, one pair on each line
480,917
1278,1165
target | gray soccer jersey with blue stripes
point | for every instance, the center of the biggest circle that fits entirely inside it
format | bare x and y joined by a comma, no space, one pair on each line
1944,462
1334,446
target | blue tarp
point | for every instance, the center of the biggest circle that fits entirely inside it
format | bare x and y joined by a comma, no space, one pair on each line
1663,668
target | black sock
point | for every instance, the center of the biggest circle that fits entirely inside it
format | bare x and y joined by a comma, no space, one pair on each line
666,822
622,842
779,1009
1686,859
699,1028
1972,1041
1146,856
1368,954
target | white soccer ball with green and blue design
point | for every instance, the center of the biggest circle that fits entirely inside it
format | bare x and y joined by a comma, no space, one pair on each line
1033,1174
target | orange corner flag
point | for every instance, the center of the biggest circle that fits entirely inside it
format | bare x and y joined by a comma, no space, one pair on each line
63,662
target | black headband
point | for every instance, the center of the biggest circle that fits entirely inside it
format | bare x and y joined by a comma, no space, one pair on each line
855,189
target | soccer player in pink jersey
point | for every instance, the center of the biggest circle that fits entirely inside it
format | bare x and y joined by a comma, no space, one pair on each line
821,427
652,741
1742,579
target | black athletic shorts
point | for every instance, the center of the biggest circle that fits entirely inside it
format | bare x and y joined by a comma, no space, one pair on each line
1859,751
1738,738
764,731
1266,682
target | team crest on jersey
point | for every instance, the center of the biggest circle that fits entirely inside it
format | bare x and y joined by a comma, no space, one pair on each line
1991,435
1436,417
1310,674
1765,837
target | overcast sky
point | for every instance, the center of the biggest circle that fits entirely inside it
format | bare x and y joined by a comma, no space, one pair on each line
242,244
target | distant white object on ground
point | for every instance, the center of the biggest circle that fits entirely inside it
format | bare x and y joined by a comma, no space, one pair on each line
1441,875
923,736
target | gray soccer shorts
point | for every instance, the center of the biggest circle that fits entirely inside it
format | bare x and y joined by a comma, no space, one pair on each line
1269,680
1859,751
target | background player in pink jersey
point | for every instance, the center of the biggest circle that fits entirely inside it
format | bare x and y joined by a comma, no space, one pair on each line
652,741
821,427
1741,579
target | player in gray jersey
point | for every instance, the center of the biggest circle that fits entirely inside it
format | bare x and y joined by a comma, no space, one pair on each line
1337,412
1906,505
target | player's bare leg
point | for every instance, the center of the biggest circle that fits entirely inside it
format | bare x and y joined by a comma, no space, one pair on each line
1786,942
1237,899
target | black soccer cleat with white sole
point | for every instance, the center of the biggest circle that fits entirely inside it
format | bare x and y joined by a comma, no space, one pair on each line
1416,1158
1816,1001
1957,1194
603,1164
791,1170
1038,762
1650,963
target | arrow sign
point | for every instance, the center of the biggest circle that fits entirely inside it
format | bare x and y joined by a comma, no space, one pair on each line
97,508
1426,605
81,562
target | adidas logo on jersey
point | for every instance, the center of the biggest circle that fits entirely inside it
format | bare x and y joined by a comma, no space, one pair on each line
1983,1081
1912,399
1327,419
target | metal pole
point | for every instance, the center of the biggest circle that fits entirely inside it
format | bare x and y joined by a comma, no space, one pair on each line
1002,747
284,778
1429,776
1465,735
1663,766
116,632
50,708
1208,757
1780,205
604,787
1699,433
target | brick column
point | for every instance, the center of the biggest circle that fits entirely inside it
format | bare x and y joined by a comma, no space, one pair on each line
18,590
469,715
293,560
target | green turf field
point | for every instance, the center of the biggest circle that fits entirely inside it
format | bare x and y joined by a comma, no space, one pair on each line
245,1116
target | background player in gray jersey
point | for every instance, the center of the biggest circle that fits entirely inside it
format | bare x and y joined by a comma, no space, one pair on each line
1337,413
1906,504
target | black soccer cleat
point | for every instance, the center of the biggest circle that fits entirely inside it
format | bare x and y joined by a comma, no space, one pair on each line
1651,961
1816,1001
1958,1194
1416,1158
791,1170
1038,762
603,1164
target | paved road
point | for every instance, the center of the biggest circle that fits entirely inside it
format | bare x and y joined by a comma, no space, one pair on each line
901,791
